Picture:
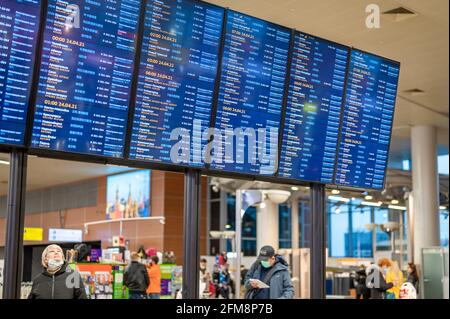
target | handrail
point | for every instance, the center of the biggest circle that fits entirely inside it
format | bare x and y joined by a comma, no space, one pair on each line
161,219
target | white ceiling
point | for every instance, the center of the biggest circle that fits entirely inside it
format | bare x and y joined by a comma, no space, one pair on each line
43,172
421,44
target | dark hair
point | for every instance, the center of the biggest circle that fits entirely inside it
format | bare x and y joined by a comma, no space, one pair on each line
155,259
414,269
203,260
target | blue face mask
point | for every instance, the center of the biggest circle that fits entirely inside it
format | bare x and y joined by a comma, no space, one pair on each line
266,264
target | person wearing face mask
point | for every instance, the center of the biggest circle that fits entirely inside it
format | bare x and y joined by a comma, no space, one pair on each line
57,281
272,270
377,279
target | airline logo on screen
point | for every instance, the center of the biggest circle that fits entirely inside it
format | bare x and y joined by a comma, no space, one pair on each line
243,145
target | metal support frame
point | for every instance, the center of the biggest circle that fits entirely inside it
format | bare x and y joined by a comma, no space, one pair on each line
15,225
192,207
238,243
318,242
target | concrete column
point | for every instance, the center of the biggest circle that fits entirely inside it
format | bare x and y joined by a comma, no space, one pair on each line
267,225
295,225
425,189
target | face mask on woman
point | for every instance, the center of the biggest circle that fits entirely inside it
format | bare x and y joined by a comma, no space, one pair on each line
54,264
266,264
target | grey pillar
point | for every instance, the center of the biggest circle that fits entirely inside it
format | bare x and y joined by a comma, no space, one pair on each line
192,207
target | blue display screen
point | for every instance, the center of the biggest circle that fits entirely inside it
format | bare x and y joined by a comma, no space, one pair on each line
86,73
176,84
251,95
19,25
367,121
313,113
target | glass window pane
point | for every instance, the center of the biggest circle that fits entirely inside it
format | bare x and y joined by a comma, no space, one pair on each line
361,237
339,242
444,229
284,226
383,240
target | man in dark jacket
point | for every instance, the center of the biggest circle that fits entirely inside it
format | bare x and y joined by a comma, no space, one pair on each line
136,278
376,281
362,292
57,281
273,271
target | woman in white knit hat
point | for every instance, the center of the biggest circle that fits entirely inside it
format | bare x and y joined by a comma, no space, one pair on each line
56,281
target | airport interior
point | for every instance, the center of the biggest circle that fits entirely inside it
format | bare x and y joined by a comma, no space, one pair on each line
114,143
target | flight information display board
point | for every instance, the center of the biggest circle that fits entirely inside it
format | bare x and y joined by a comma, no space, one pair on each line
86,73
252,88
19,26
367,121
177,76
313,114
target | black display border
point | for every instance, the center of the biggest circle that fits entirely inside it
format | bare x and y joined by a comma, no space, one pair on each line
77,156
135,79
349,49
34,78
349,187
161,164
237,174
155,165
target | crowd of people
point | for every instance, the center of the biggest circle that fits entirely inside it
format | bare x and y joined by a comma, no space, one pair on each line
385,280
267,278
218,283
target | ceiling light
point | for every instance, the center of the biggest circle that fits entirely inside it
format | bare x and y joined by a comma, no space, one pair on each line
395,207
395,202
442,208
339,199
368,197
372,204
335,192
2,162
294,188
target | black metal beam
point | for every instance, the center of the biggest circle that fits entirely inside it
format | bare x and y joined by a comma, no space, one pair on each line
14,225
192,207
318,242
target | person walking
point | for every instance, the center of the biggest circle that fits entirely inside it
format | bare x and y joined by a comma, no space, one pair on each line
413,276
362,292
394,276
377,279
136,278
273,271
57,280
154,275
